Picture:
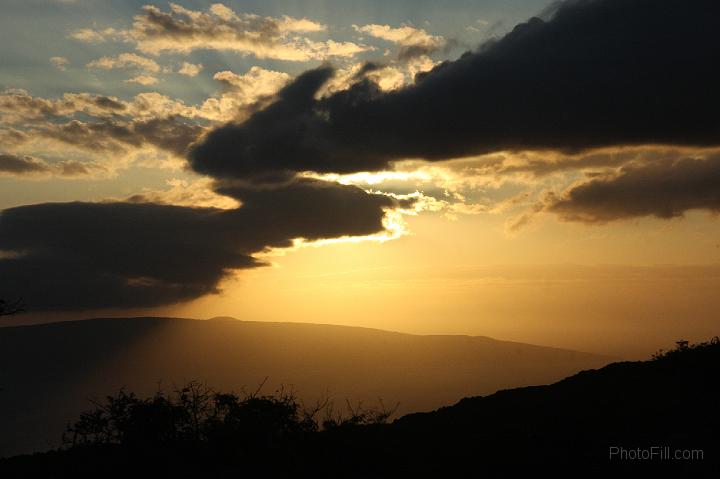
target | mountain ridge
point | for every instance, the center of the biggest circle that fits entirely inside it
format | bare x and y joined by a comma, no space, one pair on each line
216,319
73,361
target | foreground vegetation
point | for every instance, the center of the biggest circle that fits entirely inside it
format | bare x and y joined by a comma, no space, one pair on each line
197,416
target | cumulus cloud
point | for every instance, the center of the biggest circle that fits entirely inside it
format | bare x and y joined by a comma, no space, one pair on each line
152,128
190,69
183,30
386,77
143,128
60,63
598,73
70,256
242,93
413,41
149,105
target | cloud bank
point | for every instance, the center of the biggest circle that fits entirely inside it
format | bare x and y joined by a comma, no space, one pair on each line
72,256
598,73
24,166
663,188
182,30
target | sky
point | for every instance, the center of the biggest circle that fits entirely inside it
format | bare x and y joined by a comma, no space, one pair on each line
531,171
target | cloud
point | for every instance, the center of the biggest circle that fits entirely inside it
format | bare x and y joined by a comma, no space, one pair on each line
534,165
190,69
110,135
149,105
18,106
72,256
387,77
11,137
598,73
60,63
256,83
90,35
413,41
242,93
20,165
182,30
663,188
195,193
27,166
80,123
144,80
126,60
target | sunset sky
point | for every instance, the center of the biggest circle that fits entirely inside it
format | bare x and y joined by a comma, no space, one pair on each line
540,173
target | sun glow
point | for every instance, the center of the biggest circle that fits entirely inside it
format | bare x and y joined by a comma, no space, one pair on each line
394,227
370,178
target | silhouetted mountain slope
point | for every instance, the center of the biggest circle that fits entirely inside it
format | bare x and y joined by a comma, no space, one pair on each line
564,429
670,402
48,372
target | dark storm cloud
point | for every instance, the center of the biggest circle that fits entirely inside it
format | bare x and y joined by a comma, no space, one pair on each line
409,52
665,189
597,73
68,256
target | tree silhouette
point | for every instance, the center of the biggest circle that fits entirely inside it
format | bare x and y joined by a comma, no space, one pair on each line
8,308
196,414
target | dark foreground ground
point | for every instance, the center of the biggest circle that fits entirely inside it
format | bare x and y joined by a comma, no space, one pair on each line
656,418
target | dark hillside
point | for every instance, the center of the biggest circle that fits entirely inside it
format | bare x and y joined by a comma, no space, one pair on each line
628,419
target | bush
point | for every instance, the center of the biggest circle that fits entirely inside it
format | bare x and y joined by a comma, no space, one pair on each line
196,414
684,349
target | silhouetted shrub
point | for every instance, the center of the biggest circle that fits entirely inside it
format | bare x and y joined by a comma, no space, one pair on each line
356,416
8,308
684,349
196,415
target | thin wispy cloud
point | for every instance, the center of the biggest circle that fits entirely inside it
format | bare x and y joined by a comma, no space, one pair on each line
182,30
125,60
144,80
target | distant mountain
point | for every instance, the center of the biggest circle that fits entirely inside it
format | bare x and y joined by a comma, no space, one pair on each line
48,372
